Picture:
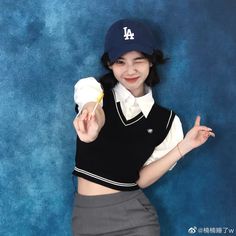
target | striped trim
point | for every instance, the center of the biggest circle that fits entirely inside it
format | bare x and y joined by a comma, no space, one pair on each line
169,119
136,119
104,179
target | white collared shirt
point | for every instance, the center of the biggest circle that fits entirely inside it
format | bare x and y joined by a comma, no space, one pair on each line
132,106
88,89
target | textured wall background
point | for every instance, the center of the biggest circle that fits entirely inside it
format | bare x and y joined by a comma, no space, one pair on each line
46,46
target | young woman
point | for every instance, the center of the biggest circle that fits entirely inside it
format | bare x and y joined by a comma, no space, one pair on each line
125,141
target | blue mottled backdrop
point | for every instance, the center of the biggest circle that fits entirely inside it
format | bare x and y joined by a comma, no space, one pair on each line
47,45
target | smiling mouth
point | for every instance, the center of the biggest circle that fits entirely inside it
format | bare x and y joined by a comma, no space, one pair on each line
131,80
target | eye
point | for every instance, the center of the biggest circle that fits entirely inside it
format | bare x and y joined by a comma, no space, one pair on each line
119,61
140,60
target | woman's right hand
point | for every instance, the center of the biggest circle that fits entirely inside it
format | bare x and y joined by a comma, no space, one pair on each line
88,125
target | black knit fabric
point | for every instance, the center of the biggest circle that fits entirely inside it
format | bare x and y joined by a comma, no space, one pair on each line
122,147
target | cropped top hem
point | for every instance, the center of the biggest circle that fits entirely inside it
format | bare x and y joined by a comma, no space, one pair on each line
104,181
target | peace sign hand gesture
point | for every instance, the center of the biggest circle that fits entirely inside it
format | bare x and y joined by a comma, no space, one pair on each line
89,123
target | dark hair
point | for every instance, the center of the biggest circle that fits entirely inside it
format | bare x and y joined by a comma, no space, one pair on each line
108,80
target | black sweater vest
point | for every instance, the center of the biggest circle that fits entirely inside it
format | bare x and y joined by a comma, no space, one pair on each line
122,147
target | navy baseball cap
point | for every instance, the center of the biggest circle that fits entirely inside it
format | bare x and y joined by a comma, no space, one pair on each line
128,35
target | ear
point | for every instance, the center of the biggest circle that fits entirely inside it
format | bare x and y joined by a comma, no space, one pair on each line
150,64
109,66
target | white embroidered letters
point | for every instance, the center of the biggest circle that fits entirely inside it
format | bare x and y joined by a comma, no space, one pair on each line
128,35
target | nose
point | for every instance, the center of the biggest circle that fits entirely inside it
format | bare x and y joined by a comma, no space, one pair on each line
131,69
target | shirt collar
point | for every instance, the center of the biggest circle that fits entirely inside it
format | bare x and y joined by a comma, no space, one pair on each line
145,102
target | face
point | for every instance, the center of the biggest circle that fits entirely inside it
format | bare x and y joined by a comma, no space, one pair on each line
131,70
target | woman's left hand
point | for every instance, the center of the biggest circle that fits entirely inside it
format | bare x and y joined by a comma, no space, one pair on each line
196,136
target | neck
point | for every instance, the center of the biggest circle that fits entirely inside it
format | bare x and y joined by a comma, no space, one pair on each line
138,93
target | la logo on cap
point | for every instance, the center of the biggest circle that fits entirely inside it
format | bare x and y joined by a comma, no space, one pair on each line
128,35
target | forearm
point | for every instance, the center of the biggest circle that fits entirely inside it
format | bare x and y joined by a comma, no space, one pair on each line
154,171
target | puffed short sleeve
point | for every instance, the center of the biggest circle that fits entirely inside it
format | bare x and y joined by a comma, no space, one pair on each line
86,90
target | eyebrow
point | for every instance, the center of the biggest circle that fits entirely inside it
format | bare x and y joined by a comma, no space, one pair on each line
136,58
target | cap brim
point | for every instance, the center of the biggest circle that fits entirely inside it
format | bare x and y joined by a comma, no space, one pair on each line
114,54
